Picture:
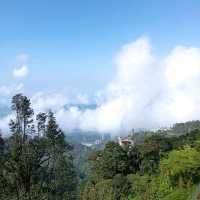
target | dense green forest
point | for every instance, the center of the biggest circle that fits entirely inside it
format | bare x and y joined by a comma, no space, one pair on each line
38,162
161,168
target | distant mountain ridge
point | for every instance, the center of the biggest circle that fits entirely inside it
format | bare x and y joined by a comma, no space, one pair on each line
93,139
5,110
81,106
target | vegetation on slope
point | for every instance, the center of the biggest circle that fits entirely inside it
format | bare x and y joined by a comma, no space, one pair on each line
38,163
161,168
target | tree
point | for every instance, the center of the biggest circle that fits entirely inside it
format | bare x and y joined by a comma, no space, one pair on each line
24,113
111,161
41,124
120,186
182,166
2,162
25,153
38,163
152,150
103,190
61,178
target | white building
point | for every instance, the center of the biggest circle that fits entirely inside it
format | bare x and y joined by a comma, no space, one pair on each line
125,141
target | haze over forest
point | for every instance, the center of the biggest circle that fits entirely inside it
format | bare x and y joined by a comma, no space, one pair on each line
99,100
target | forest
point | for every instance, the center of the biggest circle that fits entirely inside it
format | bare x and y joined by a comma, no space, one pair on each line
38,162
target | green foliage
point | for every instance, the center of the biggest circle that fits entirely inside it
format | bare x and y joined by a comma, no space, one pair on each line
152,150
149,187
103,190
180,194
184,128
80,155
160,168
35,164
110,161
182,166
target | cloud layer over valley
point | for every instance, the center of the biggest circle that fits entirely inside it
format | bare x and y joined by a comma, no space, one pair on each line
145,92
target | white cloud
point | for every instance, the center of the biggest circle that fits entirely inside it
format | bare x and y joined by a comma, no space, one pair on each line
123,101
21,72
183,66
180,101
4,124
6,92
43,102
145,92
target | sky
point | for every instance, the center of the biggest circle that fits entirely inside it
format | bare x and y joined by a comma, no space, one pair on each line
96,51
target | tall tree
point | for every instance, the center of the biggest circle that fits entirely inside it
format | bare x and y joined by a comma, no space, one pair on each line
61,179
23,123
25,154
41,124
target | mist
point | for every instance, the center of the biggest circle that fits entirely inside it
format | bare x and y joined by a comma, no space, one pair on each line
145,92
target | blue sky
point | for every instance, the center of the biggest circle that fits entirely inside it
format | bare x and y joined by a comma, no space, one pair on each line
124,53
72,44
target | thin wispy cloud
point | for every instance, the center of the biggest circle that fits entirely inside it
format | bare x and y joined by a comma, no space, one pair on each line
21,72
7,91
42,102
